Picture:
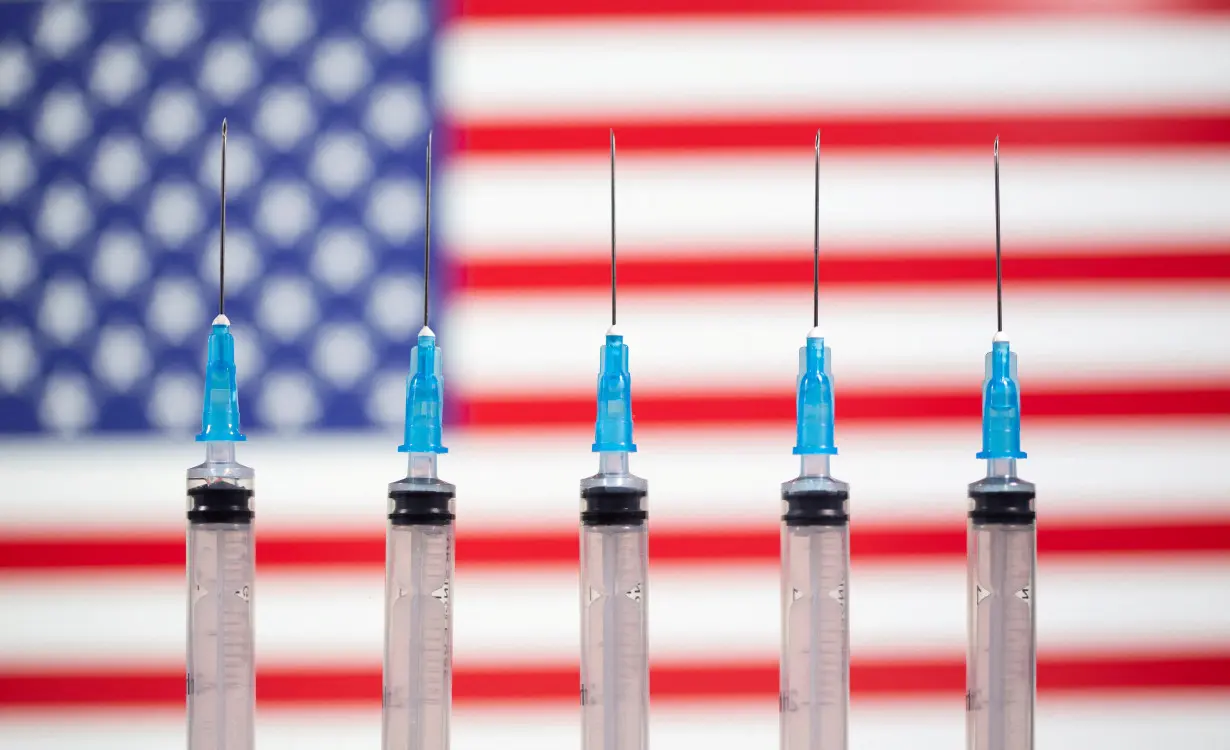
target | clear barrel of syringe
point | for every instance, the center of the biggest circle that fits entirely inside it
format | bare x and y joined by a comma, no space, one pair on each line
221,677
614,634
614,653
1000,665
418,653
814,700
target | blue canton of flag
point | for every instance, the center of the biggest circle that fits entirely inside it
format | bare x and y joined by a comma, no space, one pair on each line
110,116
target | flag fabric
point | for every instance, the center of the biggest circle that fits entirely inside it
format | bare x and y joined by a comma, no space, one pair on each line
111,148
1114,120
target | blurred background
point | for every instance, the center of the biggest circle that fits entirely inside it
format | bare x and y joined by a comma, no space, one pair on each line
1115,120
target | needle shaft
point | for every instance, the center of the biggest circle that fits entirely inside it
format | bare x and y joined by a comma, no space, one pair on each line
612,227
999,271
222,230
427,237
815,263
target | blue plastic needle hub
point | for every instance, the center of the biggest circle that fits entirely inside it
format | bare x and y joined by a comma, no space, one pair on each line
1001,405
220,415
814,406
613,428
424,398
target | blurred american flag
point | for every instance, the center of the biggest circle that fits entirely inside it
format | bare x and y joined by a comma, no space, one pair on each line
1115,120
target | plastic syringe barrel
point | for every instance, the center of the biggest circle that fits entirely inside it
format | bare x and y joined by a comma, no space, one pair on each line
1000,665
815,660
614,596
221,677
418,649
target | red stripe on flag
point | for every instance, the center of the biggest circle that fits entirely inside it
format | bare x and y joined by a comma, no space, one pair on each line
870,544
854,407
718,269
843,132
592,9
883,679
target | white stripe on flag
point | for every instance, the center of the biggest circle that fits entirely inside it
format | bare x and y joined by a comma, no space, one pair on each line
590,69
731,478
700,613
1138,723
557,205
704,341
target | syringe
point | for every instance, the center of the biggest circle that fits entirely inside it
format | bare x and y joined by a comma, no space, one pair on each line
418,632
815,567
221,681
999,698
614,560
